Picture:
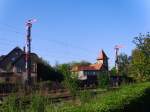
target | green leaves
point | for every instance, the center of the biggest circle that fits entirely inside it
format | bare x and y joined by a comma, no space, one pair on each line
140,63
103,80
69,82
111,101
115,100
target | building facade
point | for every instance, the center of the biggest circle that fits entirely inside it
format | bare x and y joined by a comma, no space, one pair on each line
91,72
13,66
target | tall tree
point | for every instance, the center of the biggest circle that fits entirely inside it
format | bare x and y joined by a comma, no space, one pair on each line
142,43
140,64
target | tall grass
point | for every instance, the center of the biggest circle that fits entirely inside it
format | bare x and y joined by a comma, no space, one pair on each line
13,103
38,104
114,100
33,103
107,102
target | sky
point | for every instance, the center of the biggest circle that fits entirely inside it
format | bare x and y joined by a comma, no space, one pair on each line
73,30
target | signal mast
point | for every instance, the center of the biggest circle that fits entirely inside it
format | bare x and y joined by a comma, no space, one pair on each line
28,50
117,47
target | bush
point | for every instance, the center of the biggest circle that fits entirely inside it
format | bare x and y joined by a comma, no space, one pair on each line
103,80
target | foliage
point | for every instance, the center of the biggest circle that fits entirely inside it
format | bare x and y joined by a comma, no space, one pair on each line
123,62
103,80
34,103
81,63
113,71
85,96
69,82
138,66
142,43
112,101
13,103
38,104
140,63
46,72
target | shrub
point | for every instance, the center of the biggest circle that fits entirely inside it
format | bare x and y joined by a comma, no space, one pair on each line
103,80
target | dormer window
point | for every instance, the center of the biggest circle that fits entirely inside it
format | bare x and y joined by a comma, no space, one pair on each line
13,59
17,53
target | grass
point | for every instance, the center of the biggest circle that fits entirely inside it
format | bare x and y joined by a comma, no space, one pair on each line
110,101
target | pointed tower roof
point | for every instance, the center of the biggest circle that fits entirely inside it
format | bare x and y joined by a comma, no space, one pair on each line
101,55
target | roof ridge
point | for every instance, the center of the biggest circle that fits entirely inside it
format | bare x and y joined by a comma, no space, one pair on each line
101,55
11,52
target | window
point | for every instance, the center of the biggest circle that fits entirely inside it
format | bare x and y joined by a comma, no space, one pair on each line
33,68
19,70
94,73
13,59
91,73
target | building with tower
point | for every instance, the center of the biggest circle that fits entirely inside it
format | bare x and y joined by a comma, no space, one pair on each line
90,73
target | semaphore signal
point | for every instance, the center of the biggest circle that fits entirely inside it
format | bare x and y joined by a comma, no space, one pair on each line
117,47
28,50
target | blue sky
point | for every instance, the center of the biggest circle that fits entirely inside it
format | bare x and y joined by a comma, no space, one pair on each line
73,30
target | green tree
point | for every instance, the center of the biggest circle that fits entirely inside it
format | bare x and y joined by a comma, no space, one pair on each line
69,82
138,68
113,71
140,63
103,80
123,61
81,63
142,43
46,72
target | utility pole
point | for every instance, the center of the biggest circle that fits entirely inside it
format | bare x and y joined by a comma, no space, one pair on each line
28,51
116,58
117,47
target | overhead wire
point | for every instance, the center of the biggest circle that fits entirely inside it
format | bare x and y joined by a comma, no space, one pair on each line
53,40
64,44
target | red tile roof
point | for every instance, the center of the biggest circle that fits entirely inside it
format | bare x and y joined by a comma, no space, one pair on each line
90,67
86,68
97,66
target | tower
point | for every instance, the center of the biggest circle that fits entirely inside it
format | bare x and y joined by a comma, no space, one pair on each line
102,59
